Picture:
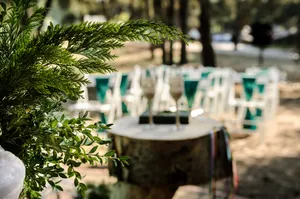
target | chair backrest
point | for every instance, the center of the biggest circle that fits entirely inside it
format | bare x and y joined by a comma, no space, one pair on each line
102,86
116,85
135,79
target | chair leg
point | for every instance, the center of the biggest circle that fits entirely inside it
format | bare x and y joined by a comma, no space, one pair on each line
111,114
118,108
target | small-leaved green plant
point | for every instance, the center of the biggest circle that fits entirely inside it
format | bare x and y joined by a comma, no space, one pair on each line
39,72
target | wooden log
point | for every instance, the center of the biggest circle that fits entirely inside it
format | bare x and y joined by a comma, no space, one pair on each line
122,190
163,163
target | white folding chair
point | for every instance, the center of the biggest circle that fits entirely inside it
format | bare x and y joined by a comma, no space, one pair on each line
112,104
133,97
243,110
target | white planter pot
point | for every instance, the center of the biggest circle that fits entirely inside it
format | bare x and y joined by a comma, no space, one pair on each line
12,172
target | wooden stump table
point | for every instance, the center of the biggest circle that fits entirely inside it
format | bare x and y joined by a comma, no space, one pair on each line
163,158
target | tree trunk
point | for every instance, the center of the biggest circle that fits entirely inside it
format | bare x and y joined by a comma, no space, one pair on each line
261,57
149,9
297,42
170,19
123,190
237,24
183,22
190,166
132,10
158,17
64,4
208,55
47,6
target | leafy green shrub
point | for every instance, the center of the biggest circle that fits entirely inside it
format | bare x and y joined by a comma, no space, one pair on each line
38,73
101,191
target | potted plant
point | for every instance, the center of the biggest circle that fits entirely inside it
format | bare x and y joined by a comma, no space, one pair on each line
39,72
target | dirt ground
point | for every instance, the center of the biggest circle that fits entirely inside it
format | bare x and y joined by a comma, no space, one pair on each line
268,170
272,169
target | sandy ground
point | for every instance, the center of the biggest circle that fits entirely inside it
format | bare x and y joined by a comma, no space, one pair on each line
272,169
268,170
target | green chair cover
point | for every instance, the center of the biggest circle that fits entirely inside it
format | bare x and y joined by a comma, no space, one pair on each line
264,71
249,84
221,80
148,72
261,90
101,87
213,81
185,76
250,117
190,89
205,74
123,89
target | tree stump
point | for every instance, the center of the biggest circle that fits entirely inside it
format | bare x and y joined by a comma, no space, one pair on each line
162,159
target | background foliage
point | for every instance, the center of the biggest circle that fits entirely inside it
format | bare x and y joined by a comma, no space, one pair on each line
226,16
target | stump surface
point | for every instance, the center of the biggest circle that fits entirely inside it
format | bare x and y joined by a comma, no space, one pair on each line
161,157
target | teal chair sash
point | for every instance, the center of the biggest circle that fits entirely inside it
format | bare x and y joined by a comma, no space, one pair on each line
213,81
102,84
190,89
185,76
261,88
250,117
148,72
261,91
123,89
249,84
205,74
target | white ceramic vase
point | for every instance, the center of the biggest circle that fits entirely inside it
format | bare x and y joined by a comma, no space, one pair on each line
12,172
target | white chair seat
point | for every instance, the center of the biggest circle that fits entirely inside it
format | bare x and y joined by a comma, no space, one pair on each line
90,106
128,97
246,104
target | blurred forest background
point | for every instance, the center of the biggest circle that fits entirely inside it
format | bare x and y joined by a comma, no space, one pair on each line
203,20
221,30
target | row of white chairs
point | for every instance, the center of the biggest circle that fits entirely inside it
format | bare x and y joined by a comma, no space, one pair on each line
258,101
113,96
215,96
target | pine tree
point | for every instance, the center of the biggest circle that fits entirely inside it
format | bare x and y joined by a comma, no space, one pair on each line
40,72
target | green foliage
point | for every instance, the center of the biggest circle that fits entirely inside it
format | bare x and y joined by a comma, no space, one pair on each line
101,191
40,72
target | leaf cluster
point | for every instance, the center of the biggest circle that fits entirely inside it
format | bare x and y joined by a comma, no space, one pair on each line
101,191
39,72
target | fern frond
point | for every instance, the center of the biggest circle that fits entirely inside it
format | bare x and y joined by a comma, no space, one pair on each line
30,25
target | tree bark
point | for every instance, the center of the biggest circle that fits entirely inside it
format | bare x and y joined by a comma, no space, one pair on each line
188,161
47,6
237,24
183,22
122,190
297,42
208,55
158,17
170,15
133,11
149,8
261,57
